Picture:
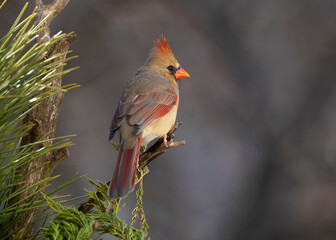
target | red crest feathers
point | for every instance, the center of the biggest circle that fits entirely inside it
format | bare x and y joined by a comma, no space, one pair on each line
162,46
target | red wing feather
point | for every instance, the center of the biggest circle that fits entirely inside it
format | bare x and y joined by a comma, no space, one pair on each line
146,108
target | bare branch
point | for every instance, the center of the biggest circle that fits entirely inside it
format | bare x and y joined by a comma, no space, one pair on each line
57,157
42,11
159,146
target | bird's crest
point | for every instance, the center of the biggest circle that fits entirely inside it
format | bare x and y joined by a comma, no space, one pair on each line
162,46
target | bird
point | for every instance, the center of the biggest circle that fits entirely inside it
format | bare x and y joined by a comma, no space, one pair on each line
146,110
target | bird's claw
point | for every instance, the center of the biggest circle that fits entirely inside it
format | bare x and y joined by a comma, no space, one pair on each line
165,140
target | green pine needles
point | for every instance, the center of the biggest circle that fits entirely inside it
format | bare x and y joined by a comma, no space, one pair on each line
24,73
27,71
70,223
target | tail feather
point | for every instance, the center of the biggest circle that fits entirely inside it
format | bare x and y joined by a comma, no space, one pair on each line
123,180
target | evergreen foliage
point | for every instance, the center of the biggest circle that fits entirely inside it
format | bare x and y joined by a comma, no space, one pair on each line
70,223
25,71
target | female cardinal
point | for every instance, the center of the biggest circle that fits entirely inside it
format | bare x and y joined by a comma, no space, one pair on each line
146,110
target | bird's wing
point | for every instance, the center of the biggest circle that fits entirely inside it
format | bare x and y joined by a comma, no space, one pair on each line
118,117
146,108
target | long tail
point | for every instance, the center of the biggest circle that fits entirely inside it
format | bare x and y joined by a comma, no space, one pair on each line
123,179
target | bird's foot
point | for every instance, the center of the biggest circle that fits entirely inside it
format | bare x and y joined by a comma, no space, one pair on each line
166,141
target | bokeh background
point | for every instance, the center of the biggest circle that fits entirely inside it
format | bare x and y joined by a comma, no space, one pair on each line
259,112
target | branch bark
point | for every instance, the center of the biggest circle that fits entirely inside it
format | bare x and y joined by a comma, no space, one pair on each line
45,115
156,150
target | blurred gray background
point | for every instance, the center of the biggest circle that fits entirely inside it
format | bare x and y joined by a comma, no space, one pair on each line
258,111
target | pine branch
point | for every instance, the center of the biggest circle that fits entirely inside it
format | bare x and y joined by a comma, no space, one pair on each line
53,9
70,223
157,149
44,116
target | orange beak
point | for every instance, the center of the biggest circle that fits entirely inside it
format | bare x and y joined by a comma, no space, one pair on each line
181,73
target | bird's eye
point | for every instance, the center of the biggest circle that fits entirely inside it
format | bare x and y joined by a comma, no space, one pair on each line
171,69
